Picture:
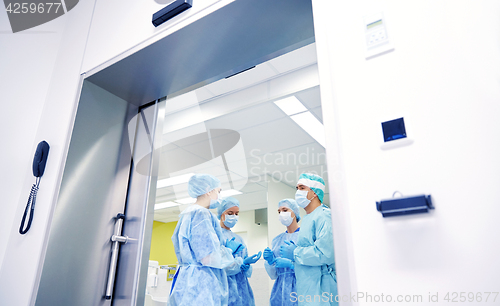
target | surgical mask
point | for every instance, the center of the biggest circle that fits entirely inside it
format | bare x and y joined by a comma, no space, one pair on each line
215,203
301,198
230,220
286,218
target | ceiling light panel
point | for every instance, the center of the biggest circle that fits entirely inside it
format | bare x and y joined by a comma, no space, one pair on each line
291,105
176,180
229,193
165,205
311,125
186,201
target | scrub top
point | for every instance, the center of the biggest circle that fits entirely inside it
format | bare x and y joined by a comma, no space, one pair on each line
314,260
240,292
204,262
285,283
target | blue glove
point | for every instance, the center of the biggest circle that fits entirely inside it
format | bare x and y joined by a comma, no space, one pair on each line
284,263
252,259
269,256
244,267
234,245
286,251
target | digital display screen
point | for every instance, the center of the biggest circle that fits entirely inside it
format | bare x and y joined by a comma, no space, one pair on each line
394,129
374,24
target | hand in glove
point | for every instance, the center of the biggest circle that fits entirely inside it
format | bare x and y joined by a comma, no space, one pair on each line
235,246
284,263
269,256
286,251
252,259
244,267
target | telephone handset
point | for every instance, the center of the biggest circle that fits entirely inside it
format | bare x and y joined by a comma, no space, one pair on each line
41,154
39,161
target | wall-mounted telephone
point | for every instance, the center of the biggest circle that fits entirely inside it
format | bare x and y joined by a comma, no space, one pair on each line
39,161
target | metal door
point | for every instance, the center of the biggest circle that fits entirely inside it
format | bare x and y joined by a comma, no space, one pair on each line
99,183
132,270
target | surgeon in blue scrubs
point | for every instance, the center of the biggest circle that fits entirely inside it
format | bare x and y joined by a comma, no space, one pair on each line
240,292
313,255
281,269
204,259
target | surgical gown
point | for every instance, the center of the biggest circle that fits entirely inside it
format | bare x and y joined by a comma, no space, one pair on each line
240,292
285,282
203,261
314,260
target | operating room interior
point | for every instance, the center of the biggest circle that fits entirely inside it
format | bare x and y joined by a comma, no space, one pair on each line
257,147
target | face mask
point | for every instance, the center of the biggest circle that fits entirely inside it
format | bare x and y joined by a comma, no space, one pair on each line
301,198
230,220
215,203
286,218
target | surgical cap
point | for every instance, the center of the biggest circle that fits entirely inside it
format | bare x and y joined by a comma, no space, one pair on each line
315,182
226,204
290,203
199,184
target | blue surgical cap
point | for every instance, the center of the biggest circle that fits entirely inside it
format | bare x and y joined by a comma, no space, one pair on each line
199,184
290,203
226,204
315,182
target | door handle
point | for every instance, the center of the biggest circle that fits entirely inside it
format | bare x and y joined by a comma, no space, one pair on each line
117,238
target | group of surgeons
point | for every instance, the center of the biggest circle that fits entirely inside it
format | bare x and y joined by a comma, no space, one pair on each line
214,265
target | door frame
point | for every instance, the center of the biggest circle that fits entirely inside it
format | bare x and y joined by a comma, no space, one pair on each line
326,95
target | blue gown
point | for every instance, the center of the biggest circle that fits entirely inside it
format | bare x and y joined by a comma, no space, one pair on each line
203,261
314,260
240,292
285,282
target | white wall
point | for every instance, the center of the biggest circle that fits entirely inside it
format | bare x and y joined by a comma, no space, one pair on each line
59,79
443,78
26,63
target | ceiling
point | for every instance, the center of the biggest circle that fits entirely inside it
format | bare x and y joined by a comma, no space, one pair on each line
232,129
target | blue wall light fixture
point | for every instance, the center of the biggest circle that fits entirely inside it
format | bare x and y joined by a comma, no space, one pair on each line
170,11
405,205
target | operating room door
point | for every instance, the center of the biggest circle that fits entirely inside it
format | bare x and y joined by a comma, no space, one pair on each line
100,181
113,130
133,260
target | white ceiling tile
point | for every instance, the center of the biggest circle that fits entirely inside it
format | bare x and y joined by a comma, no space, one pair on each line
317,112
310,97
247,118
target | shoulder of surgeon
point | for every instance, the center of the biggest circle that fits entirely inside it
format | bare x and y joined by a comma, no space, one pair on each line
279,236
198,213
278,240
324,212
231,234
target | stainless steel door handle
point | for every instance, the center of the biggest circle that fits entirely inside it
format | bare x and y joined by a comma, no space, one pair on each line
116,239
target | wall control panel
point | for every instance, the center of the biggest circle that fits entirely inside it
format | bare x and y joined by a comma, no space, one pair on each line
376,35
